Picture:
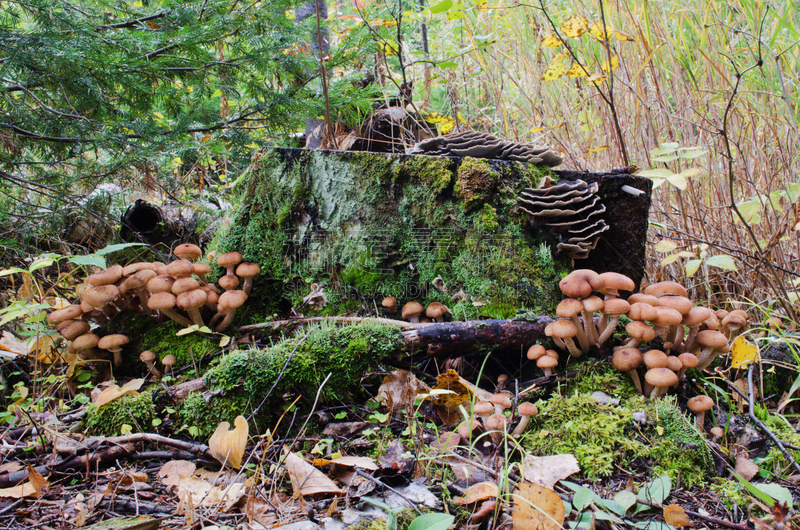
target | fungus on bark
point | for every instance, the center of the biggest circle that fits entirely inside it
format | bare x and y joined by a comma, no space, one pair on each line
482,145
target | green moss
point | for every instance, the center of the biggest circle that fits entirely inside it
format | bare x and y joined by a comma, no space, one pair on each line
775,461
162,340
597,374
432,171
488,218
346,353
137,411
730,492
678,449
475,181
194,411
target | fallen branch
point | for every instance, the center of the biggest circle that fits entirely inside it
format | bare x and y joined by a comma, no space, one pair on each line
275,324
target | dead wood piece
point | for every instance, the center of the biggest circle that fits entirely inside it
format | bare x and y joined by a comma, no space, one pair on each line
181,390
457,337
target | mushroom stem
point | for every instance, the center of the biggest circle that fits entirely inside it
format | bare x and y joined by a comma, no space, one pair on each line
573,349
226,322
183,321
583,340
589,327
194,314
634,375
520,428
611,325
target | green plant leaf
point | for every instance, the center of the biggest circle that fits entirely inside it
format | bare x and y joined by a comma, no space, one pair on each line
610,505
432,521
679,181
91,259
625,499
120,246
658,172
779,493
665,148
12,270
583,498
657,490
442,6
692,266
40,263
723,262
665,158
691,152
669,259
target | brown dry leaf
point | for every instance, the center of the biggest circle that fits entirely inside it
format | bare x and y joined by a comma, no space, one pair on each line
478,492
9,342
34,487
547,470
676,516
172,472
399,390
306,479
448,394
537,508
746,467
44,349
227,445
363,462
11,467
261,512
115,392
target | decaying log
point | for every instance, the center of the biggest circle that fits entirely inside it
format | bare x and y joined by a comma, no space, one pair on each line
459,337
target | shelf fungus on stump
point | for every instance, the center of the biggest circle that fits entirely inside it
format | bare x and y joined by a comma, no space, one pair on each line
481,145
571,209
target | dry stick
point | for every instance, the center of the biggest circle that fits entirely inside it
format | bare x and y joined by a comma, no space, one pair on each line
324,72
779,287
747,397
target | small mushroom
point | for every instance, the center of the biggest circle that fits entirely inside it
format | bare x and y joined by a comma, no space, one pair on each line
165,302
547,363
563,329
496,426
712,343
390,303
188,251
229,282
191,302
114,343
168,362
525,410
484,409
437,311
660,379
229,261
148,358
570,308
229,302
411,311
248,271
699,405
613,309
627,360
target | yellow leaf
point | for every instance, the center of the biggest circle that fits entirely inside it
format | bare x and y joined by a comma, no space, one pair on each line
614,64
622,37
575,26
537,508
665,245
551,41
676,516
536,130
306,479
670,259
25,292
478,492
547,470
576,70
115,392
597,31
597,80
597,149
554,71
561,56
227,445
743,353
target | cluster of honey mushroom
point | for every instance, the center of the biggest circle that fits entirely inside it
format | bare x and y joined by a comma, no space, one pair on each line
178,291
692,336
489,417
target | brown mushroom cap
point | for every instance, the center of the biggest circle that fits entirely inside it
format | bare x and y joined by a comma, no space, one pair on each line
546,361
112,342
696,316
133,268
248,270
733,320
688,360
569,307
674,364
627,359
562,328
192,299
161,301
681,304
180,269
229,282
500,400
592,304
411,309
580,283
712,338
665,288
184,285
640,331
527,409
169,361
483,408
72,329
641,298
642,311
661,377
108,276
100,295
667,317
147,356
390,303
436,311
188,251
536,351
616,306
229,260
613,282
232,299
70,312
655,359
699,403
200,270
88,340
160,284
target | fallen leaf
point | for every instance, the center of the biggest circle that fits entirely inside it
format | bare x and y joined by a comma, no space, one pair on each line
34,487
746,467
676,516
397,459
227,445
478,492
9,343
743,353
115,392
128,522
547,470
363,462
537,508
306,479
399,390
171,472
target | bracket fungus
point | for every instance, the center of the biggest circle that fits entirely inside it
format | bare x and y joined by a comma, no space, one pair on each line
571,209
481,145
